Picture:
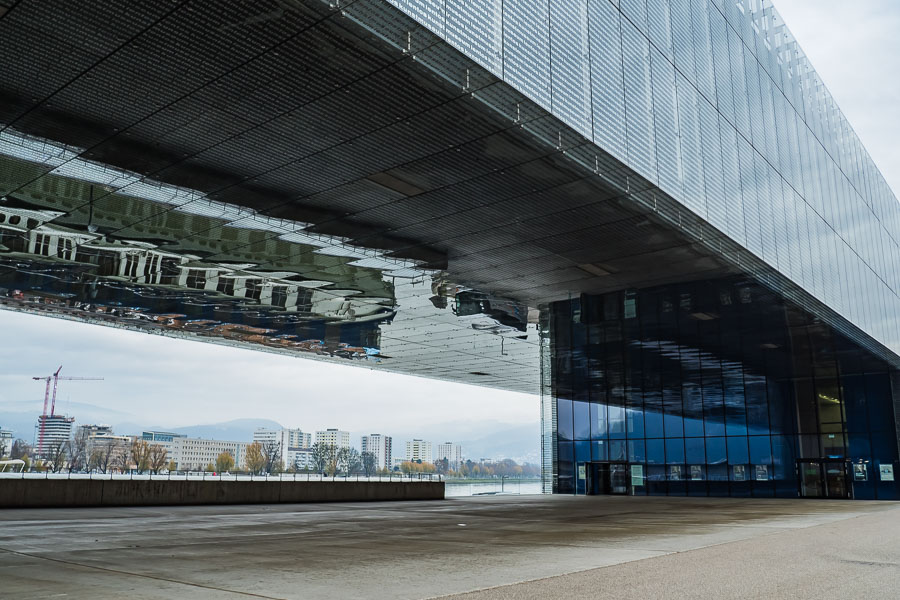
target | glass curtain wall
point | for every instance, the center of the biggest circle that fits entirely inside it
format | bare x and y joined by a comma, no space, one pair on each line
716,388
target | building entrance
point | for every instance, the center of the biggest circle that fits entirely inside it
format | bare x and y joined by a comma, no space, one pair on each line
604,478
824,478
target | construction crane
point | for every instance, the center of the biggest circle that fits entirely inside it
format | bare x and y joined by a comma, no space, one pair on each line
55,379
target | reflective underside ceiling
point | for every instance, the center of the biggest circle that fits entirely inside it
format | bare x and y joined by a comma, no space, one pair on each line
276,175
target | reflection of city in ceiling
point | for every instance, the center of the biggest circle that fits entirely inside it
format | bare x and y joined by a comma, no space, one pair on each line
88,241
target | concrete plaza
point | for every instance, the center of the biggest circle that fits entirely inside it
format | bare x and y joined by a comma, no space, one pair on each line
479,548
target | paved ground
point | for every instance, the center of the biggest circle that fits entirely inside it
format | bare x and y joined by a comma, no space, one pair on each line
506,547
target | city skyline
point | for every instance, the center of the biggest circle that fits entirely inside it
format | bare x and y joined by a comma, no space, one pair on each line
124,357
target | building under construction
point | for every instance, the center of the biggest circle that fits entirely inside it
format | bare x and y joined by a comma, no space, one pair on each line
57,429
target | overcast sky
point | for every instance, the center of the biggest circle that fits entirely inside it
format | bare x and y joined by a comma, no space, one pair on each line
157,380
161,381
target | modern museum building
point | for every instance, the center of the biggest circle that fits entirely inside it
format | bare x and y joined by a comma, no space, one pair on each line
651,213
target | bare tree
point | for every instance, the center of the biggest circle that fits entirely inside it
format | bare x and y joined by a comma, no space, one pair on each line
324,457
140,454
156,458
272,451
369,465
102,456
120,458
57,451
348,460
78,460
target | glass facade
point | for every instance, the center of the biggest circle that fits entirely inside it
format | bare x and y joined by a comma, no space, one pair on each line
715,388
713,103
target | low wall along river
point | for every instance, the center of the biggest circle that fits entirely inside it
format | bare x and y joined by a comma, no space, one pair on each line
35,493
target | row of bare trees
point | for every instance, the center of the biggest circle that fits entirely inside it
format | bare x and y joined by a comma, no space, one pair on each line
83,454
331,460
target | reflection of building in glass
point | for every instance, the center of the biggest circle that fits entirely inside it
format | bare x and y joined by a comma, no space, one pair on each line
379,446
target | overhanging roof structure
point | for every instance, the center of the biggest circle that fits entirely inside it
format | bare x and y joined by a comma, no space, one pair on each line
404,184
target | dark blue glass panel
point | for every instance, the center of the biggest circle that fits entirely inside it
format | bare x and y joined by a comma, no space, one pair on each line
757,404
635,422
653,422
564,425
674,450
566,468
717,479
636,451
880,402
656,480
656,451
617,422
694,451
781,407
715,451
760,450
616,450
582,420
854,395
582,452
599,450
785,465
598,421
737,450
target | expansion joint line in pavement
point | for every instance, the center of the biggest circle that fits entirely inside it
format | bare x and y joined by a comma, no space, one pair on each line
142,575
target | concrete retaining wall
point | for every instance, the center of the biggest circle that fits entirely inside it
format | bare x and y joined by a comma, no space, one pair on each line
45,493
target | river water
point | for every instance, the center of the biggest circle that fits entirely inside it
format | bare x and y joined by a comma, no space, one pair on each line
510,486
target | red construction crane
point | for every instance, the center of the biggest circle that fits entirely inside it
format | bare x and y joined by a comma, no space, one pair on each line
55,378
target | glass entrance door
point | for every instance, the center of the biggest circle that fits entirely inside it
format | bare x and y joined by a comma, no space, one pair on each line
810,479
823,479
836,485
618,478
606,478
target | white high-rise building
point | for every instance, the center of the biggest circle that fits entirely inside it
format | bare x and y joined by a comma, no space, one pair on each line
380,446
418,451
57,430
334,437
287,440
452,452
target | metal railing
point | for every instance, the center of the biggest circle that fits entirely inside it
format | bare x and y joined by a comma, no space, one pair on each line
204,476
